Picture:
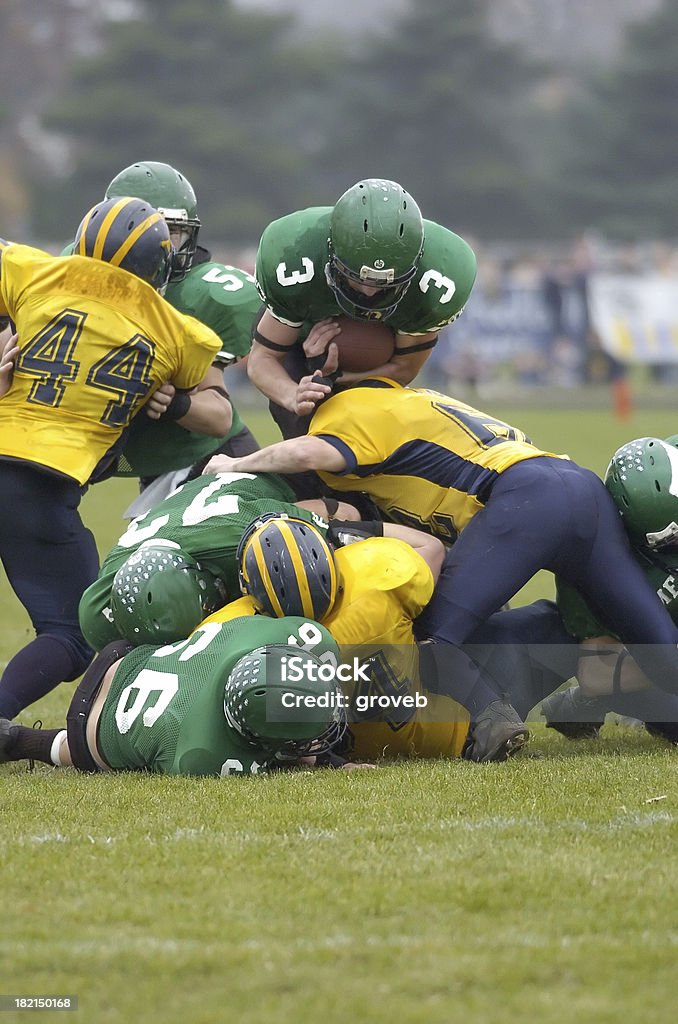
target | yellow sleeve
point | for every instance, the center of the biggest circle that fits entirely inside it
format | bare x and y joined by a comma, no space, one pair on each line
200,347
355,427
385,585
9,279
416,584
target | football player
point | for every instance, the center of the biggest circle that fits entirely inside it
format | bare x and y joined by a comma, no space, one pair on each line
368,594
370,256
189,428
95,341
215,704
191,538
641,479
511,509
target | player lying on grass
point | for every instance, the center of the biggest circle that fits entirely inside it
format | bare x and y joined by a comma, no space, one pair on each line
367,595
192,537
382,585
214,704
642,479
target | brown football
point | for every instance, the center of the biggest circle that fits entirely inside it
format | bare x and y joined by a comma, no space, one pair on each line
363,344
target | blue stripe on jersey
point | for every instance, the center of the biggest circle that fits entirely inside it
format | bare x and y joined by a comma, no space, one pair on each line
436,464
343,449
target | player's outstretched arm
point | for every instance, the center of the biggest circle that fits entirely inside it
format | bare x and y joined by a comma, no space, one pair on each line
343,511
296,455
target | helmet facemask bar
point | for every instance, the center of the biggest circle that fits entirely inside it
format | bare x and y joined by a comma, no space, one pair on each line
248,690
354,303
178,222
330,738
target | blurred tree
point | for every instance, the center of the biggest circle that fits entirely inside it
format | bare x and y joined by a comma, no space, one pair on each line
619,145
218,92
439,105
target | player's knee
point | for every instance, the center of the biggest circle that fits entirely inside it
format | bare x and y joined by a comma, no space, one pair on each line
78,651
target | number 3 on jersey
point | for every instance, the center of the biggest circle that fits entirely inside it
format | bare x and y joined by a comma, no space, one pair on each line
287,278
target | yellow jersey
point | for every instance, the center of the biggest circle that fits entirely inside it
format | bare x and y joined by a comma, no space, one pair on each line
95,342
427,460
384,585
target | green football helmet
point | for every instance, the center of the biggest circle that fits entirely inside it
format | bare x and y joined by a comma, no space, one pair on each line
291,717
172,195
643,480
160,594
376,239
129,233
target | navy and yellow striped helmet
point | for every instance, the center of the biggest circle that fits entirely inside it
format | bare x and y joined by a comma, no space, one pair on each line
287,567
127,233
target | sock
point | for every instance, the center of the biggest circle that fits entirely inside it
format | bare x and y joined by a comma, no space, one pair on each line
32,744
56,745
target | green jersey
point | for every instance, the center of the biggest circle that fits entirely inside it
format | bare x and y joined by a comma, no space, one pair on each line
290,271
223,297
206,517
165,709
226,299
581,623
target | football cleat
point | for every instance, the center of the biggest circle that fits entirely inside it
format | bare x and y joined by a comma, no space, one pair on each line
573,715
496,734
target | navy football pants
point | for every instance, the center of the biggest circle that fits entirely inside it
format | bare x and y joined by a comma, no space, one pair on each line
50,557
548,513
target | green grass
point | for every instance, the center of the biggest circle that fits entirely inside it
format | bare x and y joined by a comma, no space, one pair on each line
429,893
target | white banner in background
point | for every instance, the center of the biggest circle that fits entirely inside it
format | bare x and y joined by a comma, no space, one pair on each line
636,318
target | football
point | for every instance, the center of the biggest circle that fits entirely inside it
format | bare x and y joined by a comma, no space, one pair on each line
363,344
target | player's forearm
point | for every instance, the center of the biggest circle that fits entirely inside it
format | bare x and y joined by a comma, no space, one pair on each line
209,413
343,512
283,457
268,374
297,455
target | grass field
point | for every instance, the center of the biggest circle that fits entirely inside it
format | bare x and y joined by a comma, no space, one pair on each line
542,889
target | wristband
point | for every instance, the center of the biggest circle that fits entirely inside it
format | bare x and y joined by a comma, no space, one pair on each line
178,407
331,506
342,532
